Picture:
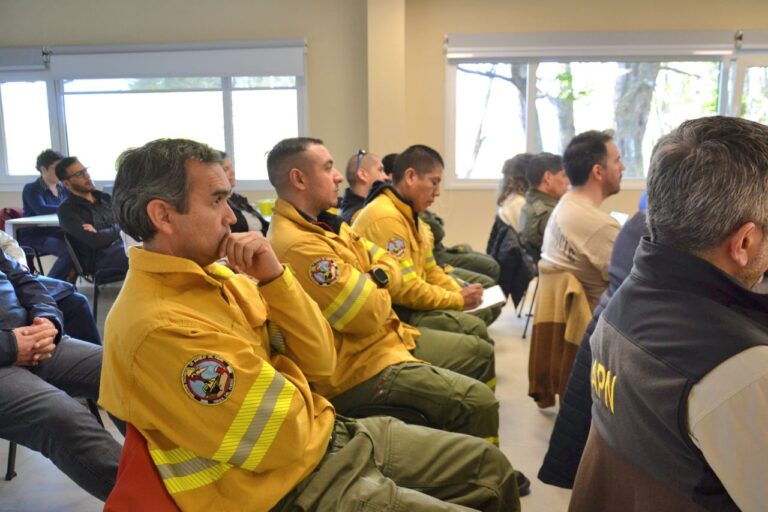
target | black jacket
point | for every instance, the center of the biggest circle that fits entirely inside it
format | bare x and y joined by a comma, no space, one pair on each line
350,204
575,416
76,211
22,298
517,267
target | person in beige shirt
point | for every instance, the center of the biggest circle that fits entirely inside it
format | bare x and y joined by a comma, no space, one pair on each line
579,237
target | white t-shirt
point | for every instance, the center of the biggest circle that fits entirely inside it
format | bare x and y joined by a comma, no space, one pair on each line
509,211
579,238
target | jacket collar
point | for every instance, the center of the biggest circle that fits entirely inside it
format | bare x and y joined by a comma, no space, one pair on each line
534,194
350,203
326,222
156,263
680,271
401,203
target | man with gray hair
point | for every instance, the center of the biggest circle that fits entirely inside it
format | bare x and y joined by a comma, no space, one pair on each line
680,354
215,364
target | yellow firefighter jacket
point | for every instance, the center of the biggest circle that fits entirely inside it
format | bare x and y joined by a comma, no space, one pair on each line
391,223
217,382
333,269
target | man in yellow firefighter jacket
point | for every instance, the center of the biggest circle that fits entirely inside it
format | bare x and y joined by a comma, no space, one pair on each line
428,297
213,365
351,280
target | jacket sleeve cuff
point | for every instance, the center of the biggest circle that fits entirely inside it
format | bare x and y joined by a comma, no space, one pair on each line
8,348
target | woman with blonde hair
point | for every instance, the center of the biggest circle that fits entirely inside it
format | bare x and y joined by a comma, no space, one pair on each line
512,189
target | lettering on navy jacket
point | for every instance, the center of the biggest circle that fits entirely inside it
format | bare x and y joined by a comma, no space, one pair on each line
643,367
22,298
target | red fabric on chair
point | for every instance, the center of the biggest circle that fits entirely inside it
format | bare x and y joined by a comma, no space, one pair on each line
7,213
139,486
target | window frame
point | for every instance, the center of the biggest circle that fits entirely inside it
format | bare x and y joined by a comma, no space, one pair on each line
187,60
533,49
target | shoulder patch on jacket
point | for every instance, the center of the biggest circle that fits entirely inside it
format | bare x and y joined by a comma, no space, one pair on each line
324,271
208,379
396,247
539,208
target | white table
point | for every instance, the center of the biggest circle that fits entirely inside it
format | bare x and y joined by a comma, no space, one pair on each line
12,225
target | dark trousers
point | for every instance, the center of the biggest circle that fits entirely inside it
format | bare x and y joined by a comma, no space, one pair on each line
78,319
51,244
37,410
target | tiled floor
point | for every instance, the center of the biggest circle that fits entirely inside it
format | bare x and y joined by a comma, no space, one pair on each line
524,433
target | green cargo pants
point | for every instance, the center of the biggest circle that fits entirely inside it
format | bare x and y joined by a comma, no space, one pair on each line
451,321
447,400
381,463
468,259
461,274
465,354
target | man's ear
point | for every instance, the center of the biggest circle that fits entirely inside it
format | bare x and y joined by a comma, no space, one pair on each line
410,176
297,179
597,172
362,175
743,244
160,214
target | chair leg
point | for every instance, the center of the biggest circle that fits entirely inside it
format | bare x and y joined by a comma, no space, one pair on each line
95,301
11,470
94,410
40,269
530,308
520,304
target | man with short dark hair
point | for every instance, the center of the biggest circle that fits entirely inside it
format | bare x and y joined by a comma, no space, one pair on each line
579,236
680,354
41,370
351,280
428,297
214,365
363,169
86,216
43,197
548,182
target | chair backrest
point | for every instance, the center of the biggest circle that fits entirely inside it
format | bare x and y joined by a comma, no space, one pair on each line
560,318
139,486
78,264
9,212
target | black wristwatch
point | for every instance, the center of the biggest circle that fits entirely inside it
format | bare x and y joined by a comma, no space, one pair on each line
379,277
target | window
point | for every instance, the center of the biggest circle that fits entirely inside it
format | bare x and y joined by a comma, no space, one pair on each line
241,98
509,94
24,110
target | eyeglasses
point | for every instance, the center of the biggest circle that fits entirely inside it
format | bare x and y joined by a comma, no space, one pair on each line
79,174
360,154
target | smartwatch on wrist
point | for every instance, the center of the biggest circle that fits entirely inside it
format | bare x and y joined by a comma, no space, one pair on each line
379,277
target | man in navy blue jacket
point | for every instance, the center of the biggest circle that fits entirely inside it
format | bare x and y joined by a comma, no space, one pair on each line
40,371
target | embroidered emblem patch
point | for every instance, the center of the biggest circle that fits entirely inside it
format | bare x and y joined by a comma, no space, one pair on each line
396,247
324,271
208,379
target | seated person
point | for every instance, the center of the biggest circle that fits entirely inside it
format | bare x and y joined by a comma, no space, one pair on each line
218,383
428,297
463,353
679,373
363,169
375,364
548,182
78,319
39,369
512,189
579,236
87,217
253,221
43,197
